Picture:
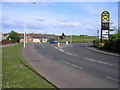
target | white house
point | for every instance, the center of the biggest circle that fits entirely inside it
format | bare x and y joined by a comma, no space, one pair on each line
36,40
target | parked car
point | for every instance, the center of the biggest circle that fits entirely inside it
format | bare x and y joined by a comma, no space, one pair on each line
52,42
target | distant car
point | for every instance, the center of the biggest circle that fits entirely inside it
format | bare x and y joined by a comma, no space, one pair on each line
53,42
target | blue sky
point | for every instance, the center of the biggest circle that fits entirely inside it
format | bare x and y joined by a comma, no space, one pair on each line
56,17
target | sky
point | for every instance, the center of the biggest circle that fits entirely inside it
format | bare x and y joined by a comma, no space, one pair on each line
72,18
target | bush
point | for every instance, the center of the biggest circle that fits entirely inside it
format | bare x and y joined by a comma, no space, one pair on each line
96,42
52,39
113,43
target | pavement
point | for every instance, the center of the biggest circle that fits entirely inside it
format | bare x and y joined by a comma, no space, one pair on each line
7,45
73,65
90,47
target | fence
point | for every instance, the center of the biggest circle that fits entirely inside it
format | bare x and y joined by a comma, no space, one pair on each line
5,42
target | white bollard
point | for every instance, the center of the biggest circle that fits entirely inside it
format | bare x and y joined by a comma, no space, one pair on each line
58,44
66,42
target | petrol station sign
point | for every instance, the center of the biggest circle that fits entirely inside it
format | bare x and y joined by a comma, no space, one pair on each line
105,18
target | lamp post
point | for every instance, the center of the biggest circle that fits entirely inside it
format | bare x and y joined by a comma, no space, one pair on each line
25,34
71,34
24,37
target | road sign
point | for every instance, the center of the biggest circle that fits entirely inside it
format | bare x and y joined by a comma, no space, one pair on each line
105,32
105,17
24,36
104,37
105,26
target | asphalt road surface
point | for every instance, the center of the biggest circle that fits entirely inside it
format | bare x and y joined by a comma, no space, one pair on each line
73,66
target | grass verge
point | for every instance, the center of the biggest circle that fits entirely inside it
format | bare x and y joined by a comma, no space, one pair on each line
15,74
78,39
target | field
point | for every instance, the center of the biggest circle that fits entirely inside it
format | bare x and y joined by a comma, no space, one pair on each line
16,74
78,39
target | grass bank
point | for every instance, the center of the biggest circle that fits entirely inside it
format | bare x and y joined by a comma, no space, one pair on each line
15,74
78,39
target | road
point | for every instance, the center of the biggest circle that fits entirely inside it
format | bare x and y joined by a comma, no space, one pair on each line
73,66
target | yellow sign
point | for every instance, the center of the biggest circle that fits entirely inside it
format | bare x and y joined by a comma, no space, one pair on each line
105,18
105,13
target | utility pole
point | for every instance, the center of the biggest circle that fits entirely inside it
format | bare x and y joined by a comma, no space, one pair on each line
98,33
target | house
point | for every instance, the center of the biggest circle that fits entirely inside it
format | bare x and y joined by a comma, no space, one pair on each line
4,36
36,38
21,37
1,35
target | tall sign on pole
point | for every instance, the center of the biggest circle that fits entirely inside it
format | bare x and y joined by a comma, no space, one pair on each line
105,25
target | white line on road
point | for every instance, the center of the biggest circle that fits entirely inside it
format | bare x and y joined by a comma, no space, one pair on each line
64,51
71,64
58,48
98,61
112,78
70,54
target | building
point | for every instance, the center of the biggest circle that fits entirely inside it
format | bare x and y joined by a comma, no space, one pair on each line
4,36
32,38
39,38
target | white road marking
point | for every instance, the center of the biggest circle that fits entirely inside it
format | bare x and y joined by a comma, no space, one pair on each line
112,78
70,54
98,61
58,48
71,64
90,59
64,51
61,50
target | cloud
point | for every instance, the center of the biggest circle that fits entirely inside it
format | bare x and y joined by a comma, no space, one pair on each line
12,24
40,19
15,24
67,24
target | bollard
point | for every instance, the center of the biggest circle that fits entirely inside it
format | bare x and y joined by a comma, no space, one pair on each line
58,44
66,42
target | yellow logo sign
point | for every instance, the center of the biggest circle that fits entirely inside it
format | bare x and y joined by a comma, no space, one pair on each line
105,18
105,13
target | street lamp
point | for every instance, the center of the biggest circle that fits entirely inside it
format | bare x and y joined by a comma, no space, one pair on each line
24,37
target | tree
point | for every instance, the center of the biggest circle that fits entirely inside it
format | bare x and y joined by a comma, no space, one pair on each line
14,37
62,36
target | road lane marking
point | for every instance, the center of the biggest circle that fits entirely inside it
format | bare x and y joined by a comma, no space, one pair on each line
70,54
71,64
61,50
90,59
112,78
98,61
64,51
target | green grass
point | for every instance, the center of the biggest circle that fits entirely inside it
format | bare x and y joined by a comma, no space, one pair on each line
15,74
78,39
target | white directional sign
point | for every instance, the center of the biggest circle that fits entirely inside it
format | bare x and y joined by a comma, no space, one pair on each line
105,37
105,32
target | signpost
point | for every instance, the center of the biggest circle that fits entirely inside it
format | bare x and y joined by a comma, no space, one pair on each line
105,25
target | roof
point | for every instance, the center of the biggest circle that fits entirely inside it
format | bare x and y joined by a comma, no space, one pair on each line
5,34
20,34
38,36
